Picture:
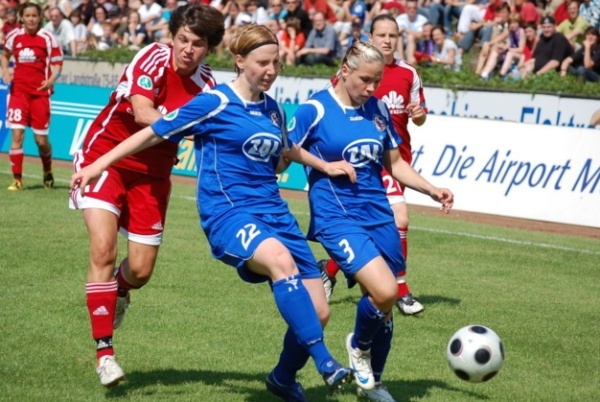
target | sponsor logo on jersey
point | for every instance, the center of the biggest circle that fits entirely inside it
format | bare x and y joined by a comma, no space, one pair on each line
261,147
360,152
275,118
379,123
26,56
356,118
145,82
291,124
394,102
171,115
256,112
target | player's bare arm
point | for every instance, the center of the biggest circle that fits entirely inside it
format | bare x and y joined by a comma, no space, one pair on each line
337,168
144,111
404,173
141,140
416,113
6,75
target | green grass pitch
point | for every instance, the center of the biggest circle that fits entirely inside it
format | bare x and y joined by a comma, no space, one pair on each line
198,333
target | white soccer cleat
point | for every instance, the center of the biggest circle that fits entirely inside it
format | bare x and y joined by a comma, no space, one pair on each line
109,371
120,309
409,305
377,394
360,363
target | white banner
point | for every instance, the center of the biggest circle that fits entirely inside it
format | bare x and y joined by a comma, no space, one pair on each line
512,169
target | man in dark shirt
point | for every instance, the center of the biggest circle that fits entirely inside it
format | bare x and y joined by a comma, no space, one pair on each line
585,62
550,51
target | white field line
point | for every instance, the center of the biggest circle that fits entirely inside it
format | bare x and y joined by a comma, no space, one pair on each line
424,229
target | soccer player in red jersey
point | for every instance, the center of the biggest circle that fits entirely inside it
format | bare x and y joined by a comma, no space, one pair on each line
132,196
38,63
402,91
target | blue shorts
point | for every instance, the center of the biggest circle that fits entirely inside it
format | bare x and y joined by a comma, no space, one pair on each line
234,237
352,246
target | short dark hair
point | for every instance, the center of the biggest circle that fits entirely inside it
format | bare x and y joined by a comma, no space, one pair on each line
204,21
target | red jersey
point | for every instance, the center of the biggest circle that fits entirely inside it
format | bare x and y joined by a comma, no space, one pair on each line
401,85
33,56
151,74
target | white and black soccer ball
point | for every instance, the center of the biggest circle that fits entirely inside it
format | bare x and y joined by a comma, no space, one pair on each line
475,353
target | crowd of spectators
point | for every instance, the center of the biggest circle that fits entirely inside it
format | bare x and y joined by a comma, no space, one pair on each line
514,38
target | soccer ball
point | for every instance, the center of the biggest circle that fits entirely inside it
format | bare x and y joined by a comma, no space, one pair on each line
475,353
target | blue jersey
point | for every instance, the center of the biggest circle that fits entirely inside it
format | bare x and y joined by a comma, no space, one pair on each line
237,146
334,132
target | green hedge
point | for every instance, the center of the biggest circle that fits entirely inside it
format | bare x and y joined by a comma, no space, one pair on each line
550,83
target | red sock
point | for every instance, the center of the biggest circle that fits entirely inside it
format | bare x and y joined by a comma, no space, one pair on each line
101,303
47,161
403,289
16,162
332,268
404,242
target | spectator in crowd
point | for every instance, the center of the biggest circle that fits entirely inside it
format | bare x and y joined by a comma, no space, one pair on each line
65,6
411,27
357,33
63,31
446,51
276,10
433,11
476,21
590,11
425,48
550,51
135,35
119,17
491,50
235,17
275,26
527,10
108,38
151,16
10,22
585,62
452,10
80,32
257,12
292,40
38,63
86,9
322,45
295,10
95,27
574,26
517,56
559,10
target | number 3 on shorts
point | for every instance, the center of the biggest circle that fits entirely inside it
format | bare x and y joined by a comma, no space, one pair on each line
347,249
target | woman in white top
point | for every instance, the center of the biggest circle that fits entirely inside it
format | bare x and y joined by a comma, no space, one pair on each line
446,51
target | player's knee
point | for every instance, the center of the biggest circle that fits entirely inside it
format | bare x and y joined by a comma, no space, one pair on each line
384,296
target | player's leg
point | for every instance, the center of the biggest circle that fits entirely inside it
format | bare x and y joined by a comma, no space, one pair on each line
40,121
101,290
18,118
271,258
142,222
101,210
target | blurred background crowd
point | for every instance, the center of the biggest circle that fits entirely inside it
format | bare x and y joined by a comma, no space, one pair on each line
508,38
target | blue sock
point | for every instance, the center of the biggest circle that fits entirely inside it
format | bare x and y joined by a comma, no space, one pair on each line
291,360
382,343
296,308
368,321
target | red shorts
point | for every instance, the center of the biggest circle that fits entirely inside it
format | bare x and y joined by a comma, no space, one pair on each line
394,190
27,110
140,201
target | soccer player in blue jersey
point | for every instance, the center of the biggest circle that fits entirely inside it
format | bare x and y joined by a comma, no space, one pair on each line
237,131
353,220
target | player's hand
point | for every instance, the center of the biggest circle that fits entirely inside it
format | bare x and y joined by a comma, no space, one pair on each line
46,84
341,168
415,111
86,176
444,197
